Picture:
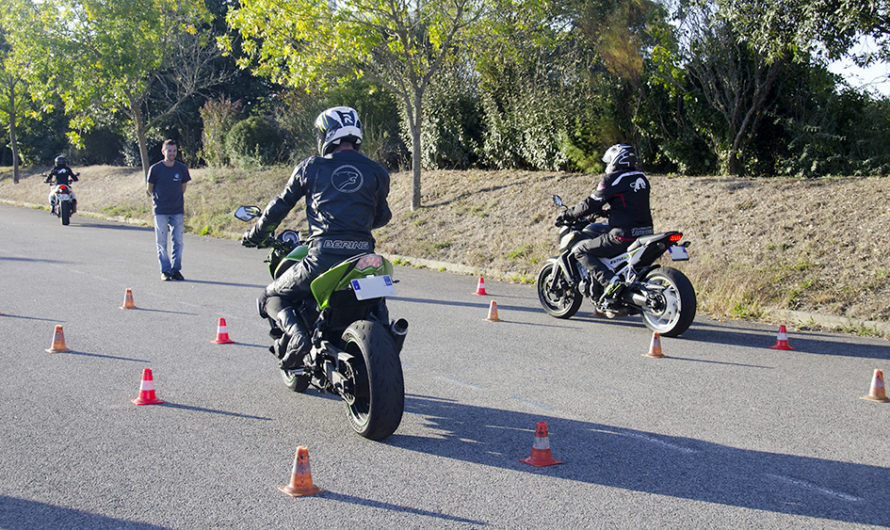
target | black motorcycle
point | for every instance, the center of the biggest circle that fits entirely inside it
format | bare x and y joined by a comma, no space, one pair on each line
663,295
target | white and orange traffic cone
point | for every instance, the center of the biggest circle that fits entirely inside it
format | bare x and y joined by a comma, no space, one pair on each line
540,456
222,333
128,300
147,390
877,392
655,347
480,287
493,312
782,340
301,476
58,342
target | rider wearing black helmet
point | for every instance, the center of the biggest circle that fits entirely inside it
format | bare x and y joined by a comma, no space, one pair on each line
626,190
345,194
59,175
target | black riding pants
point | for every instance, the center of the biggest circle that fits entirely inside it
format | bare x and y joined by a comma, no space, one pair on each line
604,246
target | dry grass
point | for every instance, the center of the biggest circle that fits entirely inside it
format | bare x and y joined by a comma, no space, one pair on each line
757,244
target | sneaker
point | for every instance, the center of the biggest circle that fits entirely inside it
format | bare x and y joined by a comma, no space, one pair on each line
166,276
176,275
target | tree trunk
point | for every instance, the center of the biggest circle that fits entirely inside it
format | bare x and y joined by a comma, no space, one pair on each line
14,145
414,124
139,125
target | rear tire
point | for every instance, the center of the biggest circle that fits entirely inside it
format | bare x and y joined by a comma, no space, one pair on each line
65,212
377,380
557,298
677,304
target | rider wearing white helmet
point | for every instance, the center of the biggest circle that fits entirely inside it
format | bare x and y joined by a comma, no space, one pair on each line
625,190
345,194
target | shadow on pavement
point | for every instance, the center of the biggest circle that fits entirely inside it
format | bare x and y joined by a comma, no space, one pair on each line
650,462
26,515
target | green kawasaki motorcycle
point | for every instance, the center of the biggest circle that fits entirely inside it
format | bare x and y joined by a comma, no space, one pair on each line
355,347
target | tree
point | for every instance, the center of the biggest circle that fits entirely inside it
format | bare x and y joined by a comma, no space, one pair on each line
13,98
143,58
400,44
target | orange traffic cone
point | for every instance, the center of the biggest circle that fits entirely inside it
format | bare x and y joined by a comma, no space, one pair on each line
877,392
58,342
493,312
147,390
655,347
222,334
128,300
540,456
782,340
480,287
301,476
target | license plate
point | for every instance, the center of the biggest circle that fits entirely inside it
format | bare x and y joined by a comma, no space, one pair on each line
678,253
373,287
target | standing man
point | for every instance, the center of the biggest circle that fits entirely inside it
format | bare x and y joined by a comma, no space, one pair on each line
166,185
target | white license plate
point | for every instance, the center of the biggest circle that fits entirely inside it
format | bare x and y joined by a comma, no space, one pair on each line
678,253
373,287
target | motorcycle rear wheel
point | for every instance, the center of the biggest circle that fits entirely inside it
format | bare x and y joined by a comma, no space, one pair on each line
678,303
378,385
65,212
557,298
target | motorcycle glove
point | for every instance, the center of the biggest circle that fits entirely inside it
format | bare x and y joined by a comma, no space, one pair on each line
254,238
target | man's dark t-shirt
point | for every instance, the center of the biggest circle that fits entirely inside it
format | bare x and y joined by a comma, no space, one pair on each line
168,181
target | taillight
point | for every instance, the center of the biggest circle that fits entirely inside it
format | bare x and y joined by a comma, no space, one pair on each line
371,260
63,189
675,237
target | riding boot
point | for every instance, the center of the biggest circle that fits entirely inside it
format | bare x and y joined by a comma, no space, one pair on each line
297,339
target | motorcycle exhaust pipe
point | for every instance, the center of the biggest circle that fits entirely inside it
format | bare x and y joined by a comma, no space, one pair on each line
399,329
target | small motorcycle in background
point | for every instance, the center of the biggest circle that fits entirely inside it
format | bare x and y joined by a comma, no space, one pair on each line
62,201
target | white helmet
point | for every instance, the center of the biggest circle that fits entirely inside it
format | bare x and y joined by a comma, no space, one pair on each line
335,125
620,157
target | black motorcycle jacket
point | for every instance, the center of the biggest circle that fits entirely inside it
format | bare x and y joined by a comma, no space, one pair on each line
345,195
627,194
61,175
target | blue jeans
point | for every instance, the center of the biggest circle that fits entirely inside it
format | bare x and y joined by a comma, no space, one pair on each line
164,223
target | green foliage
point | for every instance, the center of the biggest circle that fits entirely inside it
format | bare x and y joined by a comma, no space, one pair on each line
253,142
451,130
218,117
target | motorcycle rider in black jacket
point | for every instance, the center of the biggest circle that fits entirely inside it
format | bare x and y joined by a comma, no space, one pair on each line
626,191
345,194
59,175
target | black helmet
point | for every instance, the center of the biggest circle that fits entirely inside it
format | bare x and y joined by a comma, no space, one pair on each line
60,161
335,125
620,157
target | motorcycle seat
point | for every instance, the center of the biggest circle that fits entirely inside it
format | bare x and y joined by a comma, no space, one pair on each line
645,240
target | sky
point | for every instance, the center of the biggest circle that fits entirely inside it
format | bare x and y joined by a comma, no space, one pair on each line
875,78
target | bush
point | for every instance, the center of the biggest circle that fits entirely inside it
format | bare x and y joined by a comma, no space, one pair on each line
254,142
218,117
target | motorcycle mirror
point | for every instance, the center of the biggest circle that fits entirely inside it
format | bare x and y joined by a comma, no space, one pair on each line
246,213
557,200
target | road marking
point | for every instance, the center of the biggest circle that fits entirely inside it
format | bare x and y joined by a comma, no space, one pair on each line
816,487
458,381
651,439
591,383
533,403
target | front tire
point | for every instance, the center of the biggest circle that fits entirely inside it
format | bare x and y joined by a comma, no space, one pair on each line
558,299
65,212
672,309
377,399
